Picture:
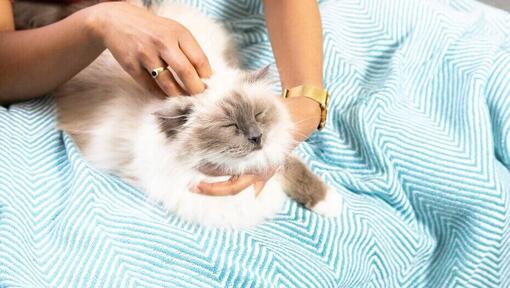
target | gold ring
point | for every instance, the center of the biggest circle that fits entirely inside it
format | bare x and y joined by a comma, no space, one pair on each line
155,72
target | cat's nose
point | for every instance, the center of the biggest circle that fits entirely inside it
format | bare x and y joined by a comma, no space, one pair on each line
255,136
255,139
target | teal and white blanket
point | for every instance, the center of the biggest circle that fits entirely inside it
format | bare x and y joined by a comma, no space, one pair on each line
417,143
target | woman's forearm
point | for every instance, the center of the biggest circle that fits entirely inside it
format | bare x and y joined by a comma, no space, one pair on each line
6,20
34,62
296,38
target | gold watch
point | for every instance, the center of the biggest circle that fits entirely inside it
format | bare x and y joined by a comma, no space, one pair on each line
317,94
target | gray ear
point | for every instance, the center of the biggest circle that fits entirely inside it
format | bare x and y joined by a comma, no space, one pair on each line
260,74
174,114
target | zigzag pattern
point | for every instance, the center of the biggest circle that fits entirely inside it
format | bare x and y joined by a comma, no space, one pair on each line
417,142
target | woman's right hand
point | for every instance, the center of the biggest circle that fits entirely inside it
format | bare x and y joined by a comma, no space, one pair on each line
141,41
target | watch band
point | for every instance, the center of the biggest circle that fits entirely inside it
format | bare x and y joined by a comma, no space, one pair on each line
317,94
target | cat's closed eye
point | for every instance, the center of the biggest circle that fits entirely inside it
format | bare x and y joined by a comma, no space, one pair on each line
230,125
259,115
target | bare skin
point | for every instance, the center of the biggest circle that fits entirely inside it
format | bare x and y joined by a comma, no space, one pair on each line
299,59
6,23
139,41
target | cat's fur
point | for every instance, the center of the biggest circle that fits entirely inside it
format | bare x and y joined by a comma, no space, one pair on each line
157,144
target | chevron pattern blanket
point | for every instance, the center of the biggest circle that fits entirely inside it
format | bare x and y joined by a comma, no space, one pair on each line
417,143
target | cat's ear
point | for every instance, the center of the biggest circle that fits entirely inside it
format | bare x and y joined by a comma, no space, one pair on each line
174,114
259,75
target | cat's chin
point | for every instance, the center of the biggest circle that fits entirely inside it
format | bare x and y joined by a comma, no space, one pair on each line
257,162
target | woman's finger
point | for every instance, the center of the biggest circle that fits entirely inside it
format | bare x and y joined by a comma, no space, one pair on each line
168,84
144,79
186,73
195,54
231,187
164,79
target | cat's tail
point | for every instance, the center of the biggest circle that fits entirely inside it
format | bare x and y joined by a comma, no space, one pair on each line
308,189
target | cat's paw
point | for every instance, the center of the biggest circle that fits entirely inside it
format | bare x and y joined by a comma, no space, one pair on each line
331,205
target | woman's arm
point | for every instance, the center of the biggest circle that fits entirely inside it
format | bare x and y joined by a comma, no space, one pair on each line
6,20
33,62
295,32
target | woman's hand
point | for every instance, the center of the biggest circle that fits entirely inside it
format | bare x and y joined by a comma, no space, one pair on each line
141,41
306,114
234,185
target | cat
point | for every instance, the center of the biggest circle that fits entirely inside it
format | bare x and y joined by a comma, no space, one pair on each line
237,125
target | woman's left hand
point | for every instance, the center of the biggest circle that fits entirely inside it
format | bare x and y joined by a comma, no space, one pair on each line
306,116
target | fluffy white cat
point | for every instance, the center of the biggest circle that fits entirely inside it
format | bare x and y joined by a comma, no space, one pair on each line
237,125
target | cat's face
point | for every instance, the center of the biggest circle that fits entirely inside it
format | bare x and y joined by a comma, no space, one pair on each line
237,126
241,127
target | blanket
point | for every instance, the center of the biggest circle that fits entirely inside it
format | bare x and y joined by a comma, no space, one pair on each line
417,142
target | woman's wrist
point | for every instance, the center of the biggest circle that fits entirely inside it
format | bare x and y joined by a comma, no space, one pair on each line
93,20
306,114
